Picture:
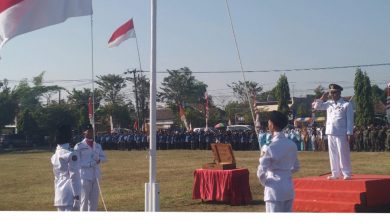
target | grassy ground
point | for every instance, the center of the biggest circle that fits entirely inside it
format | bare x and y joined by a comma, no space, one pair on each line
26,179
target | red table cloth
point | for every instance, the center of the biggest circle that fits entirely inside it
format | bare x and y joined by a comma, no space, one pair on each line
230,186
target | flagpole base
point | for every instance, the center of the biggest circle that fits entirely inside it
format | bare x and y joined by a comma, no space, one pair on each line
152,197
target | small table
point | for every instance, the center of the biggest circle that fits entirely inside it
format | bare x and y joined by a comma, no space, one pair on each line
230,186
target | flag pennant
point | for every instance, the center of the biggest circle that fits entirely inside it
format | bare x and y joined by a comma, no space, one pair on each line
90,111
121,34
206,97
135,126
183,116
21,16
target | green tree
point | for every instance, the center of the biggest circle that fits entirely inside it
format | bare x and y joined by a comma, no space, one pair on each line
181,87
53,115
111,86
364,102
8,104
282,91
236,109
378,94
29,97
302,110
319,91
27,125
141,87
78,101
267,95
239,90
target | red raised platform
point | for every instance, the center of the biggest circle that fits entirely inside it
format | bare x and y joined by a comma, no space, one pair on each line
363,193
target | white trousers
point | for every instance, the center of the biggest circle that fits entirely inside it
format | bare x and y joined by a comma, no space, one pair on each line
279,206
339,155
89,198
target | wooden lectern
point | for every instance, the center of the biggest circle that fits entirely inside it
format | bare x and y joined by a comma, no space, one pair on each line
223,158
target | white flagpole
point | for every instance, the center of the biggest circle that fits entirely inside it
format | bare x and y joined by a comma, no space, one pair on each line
152,188
93,80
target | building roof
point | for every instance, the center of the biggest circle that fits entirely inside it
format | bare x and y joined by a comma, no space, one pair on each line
164,114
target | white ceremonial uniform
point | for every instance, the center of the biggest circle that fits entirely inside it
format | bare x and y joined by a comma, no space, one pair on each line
89,173
278,161
339,124
66,177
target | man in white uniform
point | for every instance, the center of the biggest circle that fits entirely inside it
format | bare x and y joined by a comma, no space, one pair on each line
339,128
91,155
66,172
278,161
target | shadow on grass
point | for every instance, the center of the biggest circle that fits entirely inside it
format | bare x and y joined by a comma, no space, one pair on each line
253,202
27,150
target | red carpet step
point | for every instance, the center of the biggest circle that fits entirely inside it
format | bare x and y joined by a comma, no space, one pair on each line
363,193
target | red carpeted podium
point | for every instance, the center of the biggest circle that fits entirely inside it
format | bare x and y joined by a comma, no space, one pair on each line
364,193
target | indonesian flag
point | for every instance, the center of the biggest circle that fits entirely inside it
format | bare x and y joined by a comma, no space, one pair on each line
183,116
135,126
21,16
206,97
90,111
121,34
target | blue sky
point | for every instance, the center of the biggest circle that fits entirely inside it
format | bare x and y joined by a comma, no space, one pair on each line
271,35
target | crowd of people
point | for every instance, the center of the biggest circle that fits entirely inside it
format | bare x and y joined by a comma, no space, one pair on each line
77,171
371,138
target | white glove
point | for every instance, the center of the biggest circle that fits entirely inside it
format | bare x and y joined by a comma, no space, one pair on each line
76,205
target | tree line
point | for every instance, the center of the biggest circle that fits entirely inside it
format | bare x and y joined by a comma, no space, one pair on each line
38,111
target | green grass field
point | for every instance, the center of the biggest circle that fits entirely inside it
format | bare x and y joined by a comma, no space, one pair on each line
26,178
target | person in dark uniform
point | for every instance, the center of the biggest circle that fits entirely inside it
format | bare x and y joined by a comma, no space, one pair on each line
366,139
387,142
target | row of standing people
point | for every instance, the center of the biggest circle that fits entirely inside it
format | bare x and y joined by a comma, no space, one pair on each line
372,138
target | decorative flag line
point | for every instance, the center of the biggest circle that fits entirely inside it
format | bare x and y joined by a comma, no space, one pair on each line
121,34
21,16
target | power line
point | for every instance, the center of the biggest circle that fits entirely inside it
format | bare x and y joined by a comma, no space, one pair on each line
291,70
230,71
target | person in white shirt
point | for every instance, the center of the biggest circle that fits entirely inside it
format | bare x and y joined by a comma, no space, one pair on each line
339,128
66,172
278,161
91,155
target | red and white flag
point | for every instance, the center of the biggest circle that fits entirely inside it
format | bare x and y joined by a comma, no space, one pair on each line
90,111
135,126
183,116
121,34
206,97
21,16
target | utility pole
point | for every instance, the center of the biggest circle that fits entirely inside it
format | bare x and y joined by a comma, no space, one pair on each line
59,96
